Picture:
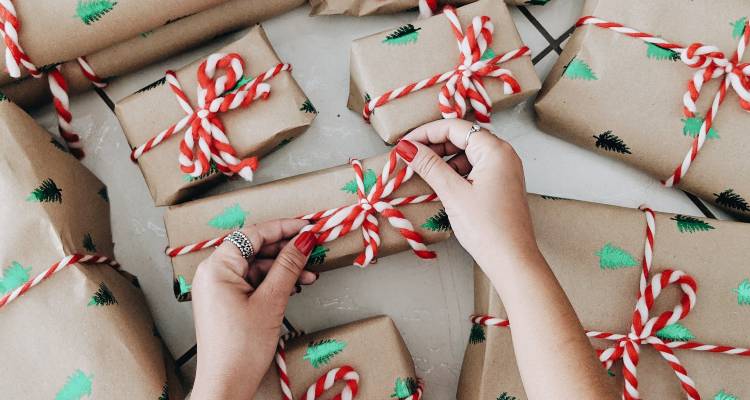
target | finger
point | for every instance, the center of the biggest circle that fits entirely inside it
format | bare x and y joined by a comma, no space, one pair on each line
432,168
480,147
286,270
444,149
264,233
272,249
460,163
260,268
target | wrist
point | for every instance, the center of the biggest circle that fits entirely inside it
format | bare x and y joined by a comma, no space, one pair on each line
218,387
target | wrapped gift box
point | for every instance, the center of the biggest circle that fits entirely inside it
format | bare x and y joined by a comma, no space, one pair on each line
367,7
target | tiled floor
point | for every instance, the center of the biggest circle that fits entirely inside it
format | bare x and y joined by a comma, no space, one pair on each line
430,301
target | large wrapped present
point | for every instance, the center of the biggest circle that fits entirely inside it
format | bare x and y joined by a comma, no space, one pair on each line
258,107
170,39
667,95
73,324
367,7
414,74
691,311
393,210
341,361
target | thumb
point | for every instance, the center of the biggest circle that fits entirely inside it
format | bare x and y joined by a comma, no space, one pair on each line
286,269
431,167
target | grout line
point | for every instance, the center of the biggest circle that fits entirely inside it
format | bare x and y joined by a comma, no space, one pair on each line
105,97
700,204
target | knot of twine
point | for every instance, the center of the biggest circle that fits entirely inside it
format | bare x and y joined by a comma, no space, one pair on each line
711,63
644,327
464,87
204,140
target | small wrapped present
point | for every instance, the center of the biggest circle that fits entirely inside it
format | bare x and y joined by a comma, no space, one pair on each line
405,77
367,7
669,100
341,360
697,323
74,326
257,107
170,39
394,210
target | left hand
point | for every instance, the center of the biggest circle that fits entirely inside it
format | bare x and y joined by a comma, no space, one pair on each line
239,307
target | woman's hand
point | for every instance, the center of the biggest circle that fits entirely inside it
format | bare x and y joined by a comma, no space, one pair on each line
239,307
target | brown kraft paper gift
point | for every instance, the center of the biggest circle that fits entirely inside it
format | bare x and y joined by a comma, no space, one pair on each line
624,98
59,31
311,356
379,64
213,217
173,38
572,235
366,7
86,330
253,131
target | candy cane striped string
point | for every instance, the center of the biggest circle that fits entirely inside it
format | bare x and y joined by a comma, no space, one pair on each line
332,224
711,64
55,268
88,71
464,88
644,328
204,139
427,8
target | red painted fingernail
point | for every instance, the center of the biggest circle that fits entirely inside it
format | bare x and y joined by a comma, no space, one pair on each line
305,243
406,149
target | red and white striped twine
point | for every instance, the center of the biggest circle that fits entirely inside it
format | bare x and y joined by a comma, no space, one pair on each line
334,223
204,139
55,268
464,88
711,64
644,328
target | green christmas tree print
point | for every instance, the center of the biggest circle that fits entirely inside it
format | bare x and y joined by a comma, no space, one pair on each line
438,222
308,107
537,2
159,82
103,194
232,217
369,178
3,97
88,243
318,255
47,192
692,127
738,27
551,197
730,199
102,297
659,53
77,387
506,396
164,392
403,35
322,352
722,395
613,257
743,293
183,285
610,142
58,145
676,333
404,388
489,54
90,11
578,69
244,80
687,224
14,277
212,169
477,334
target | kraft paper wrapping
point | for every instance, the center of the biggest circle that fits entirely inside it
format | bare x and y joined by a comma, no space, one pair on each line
638,99
288,198
378,370
570,233
66,29
255,130
366,7
378,66
147,48
52,340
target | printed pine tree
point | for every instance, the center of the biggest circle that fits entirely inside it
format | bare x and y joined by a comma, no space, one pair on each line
730,199
88,243
578,69
488,54
3,97
212,169
506,396
77,386
676,333
438,222
404,388
322,352
692,127
103,194
403,35
477,334
537,2
244,80
102,297
722,395
90,11
47,192
159,82
164,392
183,286
58,145
13,277
369,179
687,224
308,107
551,197
743,293
659,53
610,142
738,27
613,257
318,255
232,217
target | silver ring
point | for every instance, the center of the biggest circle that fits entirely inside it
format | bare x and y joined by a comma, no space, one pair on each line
242,243
474,129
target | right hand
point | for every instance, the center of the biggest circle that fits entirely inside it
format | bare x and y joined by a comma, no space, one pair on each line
482,188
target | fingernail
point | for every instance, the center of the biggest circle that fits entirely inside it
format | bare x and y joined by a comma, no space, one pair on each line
305,243
406,149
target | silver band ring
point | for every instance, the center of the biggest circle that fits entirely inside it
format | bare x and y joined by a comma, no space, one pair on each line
474,129
242,243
